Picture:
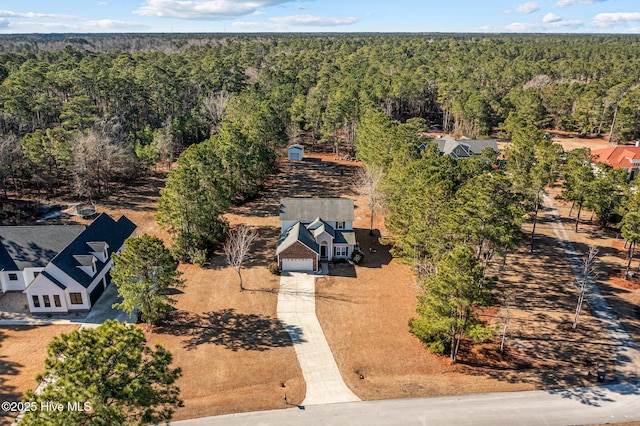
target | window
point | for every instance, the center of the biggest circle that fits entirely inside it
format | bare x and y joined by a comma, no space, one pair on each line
56,301
340,251
13,277
339,225
47,301
36,301
76,298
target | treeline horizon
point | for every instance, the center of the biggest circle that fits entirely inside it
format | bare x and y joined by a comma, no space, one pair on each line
123,94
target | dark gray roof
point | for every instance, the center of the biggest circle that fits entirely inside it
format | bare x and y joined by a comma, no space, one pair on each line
308,209
104,228
33,246
297,233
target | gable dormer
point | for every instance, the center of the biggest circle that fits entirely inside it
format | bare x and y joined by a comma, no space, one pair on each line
99,249
86,263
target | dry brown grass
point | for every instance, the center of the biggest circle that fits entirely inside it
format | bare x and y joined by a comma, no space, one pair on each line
366,319
234,354
623,296
23,350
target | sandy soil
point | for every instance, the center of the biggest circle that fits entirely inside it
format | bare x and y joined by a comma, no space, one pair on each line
23,350
236,356
622,295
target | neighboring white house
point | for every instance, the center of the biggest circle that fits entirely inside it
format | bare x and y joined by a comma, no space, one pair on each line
464,148
61,268
313,230
295,152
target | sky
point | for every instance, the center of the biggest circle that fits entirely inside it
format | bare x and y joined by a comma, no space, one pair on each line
240,16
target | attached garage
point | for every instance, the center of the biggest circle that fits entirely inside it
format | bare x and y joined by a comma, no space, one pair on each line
295,152
297,264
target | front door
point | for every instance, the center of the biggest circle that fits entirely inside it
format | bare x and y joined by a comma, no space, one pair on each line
323,251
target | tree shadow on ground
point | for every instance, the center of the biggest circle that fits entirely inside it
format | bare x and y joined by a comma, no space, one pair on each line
262,253
8,392
309,178
595,396
231,329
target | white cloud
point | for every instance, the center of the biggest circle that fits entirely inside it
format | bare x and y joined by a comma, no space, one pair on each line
565,3
531,27
109,25
31,22
32,15
103,3
551,17
203,9
528,7
313,21
611,19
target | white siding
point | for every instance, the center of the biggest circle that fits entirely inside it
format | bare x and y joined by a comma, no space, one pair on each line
40,287
10,285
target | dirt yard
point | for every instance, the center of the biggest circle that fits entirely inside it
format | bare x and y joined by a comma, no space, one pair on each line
23,350
236,356
366,319
622,295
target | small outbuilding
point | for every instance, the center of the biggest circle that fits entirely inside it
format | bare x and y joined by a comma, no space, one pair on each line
295,152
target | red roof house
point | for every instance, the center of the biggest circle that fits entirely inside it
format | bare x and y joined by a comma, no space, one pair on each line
619,157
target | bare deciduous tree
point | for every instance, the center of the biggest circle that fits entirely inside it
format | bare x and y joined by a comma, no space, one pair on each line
10,161
237,247
212,108
99,159
367,182
587,273
509,300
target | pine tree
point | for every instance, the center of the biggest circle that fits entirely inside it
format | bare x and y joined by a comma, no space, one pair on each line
105,376
144,272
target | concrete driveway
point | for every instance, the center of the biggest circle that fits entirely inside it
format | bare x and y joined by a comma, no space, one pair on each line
102,310
297,311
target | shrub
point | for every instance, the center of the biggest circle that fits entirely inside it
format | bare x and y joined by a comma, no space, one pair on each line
357,257
273,268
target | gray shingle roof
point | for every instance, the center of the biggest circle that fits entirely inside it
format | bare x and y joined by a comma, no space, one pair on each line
319,226
297,233
447,145
345,237
33,246
308,209
104,228
477,145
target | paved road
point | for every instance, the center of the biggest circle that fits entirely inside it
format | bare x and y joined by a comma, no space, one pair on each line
627,352
596,405
297,310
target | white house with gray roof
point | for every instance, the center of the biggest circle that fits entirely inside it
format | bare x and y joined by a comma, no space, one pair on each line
465,148
61,268
315,230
